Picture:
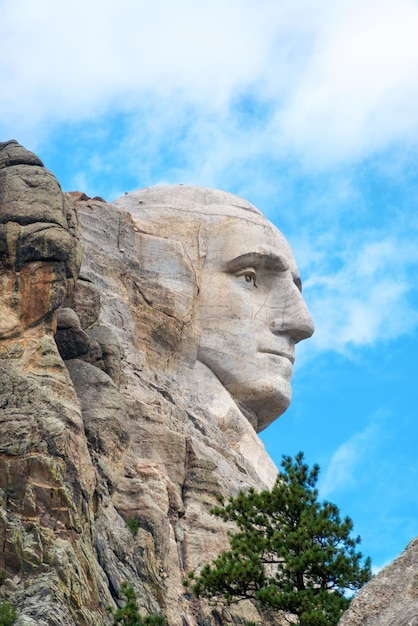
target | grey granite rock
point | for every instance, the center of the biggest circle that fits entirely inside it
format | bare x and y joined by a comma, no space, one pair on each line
391,597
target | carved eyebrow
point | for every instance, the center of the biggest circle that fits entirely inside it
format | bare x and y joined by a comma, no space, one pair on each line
270,260
257,259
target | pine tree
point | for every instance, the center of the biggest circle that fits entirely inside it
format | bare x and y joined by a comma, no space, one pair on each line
291,553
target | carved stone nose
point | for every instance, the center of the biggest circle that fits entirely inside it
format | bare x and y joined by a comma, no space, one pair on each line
298,329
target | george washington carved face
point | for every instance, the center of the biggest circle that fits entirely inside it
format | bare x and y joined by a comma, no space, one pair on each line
248,311
251,314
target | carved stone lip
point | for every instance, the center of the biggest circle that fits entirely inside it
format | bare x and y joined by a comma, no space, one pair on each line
286,355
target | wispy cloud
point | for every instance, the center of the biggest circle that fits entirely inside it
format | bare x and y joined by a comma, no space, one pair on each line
370,297
341,471
354,95
378,568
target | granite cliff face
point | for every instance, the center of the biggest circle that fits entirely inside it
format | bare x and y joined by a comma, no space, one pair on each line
98,425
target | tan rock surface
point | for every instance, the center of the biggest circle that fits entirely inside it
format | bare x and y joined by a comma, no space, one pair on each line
178,341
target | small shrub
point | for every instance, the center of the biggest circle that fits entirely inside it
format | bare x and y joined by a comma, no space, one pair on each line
133,525
7,614
128,614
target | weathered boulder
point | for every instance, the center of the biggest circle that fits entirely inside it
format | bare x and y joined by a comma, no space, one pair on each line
391,597
70,338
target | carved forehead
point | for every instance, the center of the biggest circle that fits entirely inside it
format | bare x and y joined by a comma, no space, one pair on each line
237,235
186,200
194,216
210,224
238,242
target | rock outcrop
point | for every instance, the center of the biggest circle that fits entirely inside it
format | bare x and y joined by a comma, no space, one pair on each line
48,562
391,597
114,438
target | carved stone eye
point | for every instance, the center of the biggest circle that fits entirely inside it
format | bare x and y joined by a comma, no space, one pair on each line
250,278
249,275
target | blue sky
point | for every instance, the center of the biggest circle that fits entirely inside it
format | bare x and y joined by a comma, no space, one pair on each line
307,109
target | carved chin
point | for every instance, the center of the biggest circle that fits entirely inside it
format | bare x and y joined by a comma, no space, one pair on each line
262,405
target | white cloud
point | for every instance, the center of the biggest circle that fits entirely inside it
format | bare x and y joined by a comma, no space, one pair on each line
78,58
357,90
339,80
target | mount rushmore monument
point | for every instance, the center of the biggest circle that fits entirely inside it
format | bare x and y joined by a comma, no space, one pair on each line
143,345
